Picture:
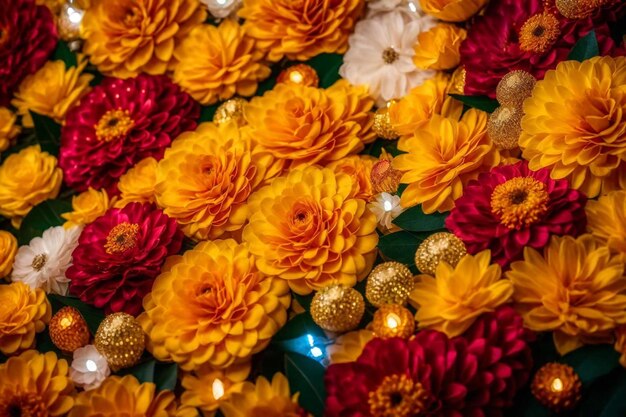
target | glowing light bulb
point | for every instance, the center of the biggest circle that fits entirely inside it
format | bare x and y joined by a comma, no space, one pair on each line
557,385
388,205
296,77
316,352
412,7
66,322
310,339
393,320
221,1
75,16
218,389
91,366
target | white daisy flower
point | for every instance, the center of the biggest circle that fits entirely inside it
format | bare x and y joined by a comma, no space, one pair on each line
89,368
386,208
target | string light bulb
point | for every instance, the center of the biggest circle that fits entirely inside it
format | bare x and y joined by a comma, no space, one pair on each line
557,387
392,320
68,329
218,388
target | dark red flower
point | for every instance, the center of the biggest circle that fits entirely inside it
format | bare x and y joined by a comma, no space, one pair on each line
119,255
512,207
28,36
119,123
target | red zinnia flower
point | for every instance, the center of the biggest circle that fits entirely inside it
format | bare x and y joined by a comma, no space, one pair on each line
511,207
119,255
28,36
119,123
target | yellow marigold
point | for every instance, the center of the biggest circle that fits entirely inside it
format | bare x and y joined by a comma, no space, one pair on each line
453,299
303,29
606,220
581,137
439,47
348,347
215,63
442,157
452,10
303,125
263,398
87,207
8,249
138,183
124,396
26,179
577,289
359,168
308,229
8,129
205,178
51,91
127,37
34,384
212,306
23,312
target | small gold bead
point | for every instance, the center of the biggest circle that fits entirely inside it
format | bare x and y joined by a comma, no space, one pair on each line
337,308
389,283
301,74
439,247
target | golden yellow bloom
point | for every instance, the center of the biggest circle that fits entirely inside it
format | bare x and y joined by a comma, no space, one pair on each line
138,183
26,179
215,63
51,91
23,312
212,306
439,47
205,178
451,301
577,289
581,137
442,157
8,129
264,398
300,29
308,229
87,207
359,168
8,249
303,125
452,10
348,347
606,220
124,396
127,37
34,384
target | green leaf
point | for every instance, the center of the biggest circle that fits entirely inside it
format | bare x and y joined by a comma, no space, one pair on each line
327,68
306,376
166,376
207,113
92,315
615,406
144,371
48,133
401,246
304,300
44,344
42,217
63,53
298,326
483,103
593,362
415,220
586,48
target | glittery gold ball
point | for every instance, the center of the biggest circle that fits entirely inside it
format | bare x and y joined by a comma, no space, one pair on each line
121,340
68,329
382,123
337,308
439,247
504,127
301,74
514,88
69,21
557,387
389,283
392,320
577,9
384,178
457,82
230,110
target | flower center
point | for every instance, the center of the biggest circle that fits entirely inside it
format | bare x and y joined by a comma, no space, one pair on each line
23,405
390,55
114,124
539,33
398,396
39,261
133,17
121,238
519,202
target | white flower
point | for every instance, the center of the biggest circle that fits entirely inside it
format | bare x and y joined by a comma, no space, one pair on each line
42,263
411,7
221,8
89,368
386,208
380,55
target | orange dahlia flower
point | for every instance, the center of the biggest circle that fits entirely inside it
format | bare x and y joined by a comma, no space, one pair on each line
8,249
8,128
577,289
452,10
87,207
300,29
439,47
212,306
359,167
137,184
308,229
126,37
606,220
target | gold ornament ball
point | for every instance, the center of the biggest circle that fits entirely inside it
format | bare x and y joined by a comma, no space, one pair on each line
392,320
382,123
504,127
230,110
68,329
439,247
300,74
557,387
389,283
578,9
337,308
121,340
514,88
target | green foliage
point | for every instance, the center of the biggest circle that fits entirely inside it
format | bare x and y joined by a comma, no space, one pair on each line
163,375
43,216
48,133
327,68
483,103
306,376
63,53
593,362
401,247
415,220
586,48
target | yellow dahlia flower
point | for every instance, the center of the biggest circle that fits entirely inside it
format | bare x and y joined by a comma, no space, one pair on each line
212,306
302,29
577,289
453,299
8,129
51,91
359,168
8,249
26,179
349,346
452,10
263,398
215,63
581,137
87,207
439,47
302,125
124,396
23,312
34,384
308,229
205,178
442,157
606,220
137,184
126,37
